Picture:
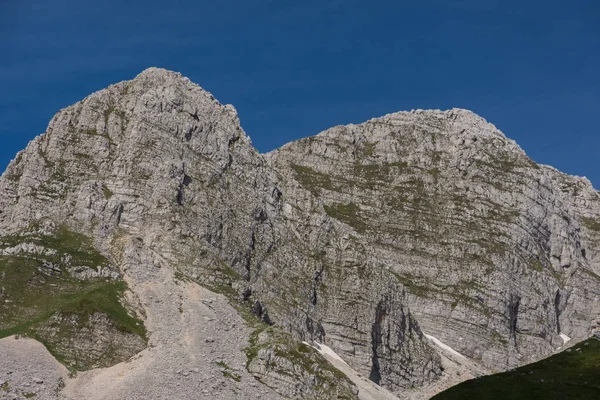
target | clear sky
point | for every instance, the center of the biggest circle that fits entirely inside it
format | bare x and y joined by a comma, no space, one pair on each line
294,68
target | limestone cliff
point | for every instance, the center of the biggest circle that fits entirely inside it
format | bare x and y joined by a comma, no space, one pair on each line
363,238
498,255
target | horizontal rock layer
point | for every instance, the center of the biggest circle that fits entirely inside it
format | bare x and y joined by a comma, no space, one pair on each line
362,237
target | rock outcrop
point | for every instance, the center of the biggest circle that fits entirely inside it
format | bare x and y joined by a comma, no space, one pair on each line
363,238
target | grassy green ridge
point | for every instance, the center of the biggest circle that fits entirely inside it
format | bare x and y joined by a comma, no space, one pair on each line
573,374
31,294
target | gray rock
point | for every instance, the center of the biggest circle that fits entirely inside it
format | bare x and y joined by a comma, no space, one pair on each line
363,237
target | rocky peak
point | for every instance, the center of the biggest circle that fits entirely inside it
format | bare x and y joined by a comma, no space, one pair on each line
155,128
451,206
369,238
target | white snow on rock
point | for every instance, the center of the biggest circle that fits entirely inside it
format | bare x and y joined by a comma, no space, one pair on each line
565,338
444,346
367,389
325,350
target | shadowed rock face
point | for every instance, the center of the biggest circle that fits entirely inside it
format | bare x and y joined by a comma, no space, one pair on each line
360,237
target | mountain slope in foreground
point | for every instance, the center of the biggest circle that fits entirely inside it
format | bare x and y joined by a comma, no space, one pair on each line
155,253
572,374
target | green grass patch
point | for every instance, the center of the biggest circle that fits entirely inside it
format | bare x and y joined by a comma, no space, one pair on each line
91,132
348,214
369,149
591,223
359,176
571,374
435,172
312,180
34,298
35,287
463,292
78,248
490,246
536,264
303,357
372,173
107,192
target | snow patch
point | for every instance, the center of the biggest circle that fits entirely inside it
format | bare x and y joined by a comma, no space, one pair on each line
565,338
325,350
444,346
367,390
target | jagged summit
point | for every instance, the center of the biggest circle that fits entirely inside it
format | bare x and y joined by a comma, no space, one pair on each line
154,72
153,93
456,121
163,90
160,78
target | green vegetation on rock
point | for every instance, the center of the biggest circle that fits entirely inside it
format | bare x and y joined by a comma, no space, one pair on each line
591,223
329,382
62,243
348,214
107,192
228,372
311,179
301,362
37,290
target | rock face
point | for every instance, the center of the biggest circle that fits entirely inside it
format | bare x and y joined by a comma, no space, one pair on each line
163,178
497,254
362,237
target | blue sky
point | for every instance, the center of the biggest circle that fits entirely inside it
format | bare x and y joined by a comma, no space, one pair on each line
294,68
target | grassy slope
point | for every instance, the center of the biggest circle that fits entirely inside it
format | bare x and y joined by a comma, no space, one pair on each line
571,374
30,294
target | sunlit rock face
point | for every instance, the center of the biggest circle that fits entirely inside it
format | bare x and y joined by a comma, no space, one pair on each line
497,255
364,237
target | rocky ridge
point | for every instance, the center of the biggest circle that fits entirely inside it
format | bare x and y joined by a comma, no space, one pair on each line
362,238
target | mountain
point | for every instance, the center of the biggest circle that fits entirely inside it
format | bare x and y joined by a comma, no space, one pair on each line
155,253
